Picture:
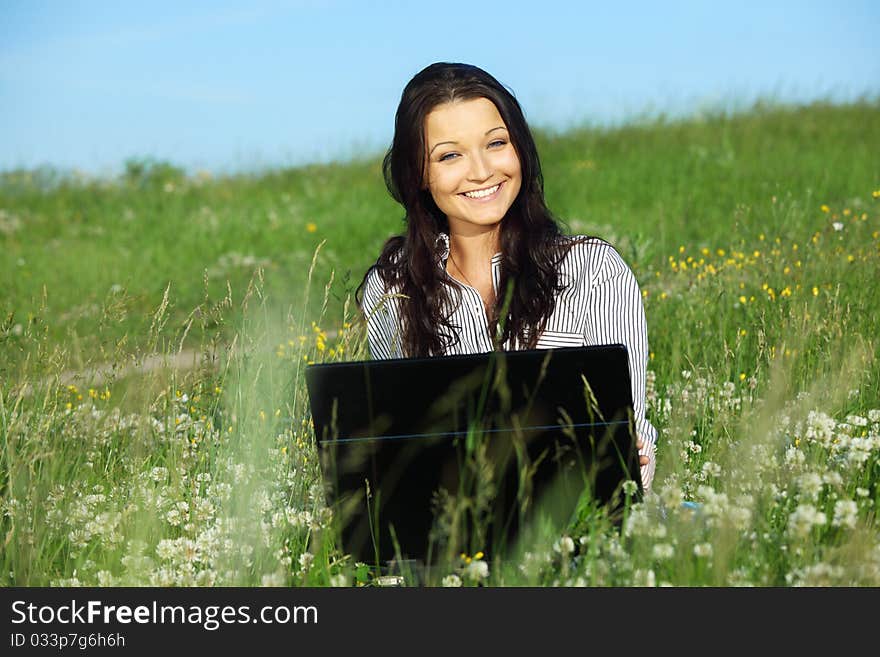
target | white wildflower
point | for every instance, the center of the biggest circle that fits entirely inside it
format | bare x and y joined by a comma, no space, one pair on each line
638,523
845,514
857,420
703,550
658,531
740,517
165,549
810,485
663,551
645,578
173,517
273,579
671,495
564,546
451,581
794,457
820,428
105,578
804,518
477,570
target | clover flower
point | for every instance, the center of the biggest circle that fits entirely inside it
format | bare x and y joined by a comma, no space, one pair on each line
451,581
804,518
477,570
845,514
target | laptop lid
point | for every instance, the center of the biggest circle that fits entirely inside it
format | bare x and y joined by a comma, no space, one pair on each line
427,457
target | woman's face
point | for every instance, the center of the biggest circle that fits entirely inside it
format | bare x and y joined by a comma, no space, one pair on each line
473,171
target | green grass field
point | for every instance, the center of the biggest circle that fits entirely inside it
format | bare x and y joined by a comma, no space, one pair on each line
154,331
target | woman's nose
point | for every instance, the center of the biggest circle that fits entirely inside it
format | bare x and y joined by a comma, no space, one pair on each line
480,169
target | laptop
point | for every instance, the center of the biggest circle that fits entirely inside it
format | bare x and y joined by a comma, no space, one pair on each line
426,458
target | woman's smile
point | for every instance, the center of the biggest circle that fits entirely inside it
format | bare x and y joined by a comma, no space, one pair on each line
485,194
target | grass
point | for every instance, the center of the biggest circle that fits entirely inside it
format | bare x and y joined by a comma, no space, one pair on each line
755,238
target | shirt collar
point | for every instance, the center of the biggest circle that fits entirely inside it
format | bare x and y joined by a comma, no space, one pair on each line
442,245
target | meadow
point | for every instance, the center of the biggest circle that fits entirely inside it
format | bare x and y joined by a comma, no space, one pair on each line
155,329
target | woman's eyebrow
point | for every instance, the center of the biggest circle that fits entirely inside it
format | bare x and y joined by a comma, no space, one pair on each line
440,143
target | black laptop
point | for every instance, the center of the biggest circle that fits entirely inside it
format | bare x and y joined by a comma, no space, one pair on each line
425,458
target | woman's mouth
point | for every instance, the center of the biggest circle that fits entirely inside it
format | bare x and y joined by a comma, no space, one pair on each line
485,194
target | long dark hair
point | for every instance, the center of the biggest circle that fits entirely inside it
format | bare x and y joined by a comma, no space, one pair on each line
531,242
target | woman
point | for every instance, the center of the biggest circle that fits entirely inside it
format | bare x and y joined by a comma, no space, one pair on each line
464,166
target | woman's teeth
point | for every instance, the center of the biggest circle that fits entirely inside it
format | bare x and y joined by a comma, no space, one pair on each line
481,193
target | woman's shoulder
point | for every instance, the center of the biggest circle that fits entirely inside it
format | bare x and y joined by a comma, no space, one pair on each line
585,251
592,260
586,242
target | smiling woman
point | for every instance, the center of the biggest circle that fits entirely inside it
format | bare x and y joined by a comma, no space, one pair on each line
473,174
483,265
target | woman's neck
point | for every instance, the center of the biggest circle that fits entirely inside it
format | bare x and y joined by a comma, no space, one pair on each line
474,250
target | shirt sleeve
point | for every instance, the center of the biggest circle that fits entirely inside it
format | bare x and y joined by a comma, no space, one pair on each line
615,315
381,311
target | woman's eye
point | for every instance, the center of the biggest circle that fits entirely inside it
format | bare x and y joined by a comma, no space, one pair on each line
497,142
448,156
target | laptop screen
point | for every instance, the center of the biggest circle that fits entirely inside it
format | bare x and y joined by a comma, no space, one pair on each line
429,457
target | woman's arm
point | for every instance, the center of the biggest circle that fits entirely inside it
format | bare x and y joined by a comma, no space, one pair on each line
381,312
615,315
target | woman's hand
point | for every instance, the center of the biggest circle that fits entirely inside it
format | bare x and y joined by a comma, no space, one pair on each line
643,460
647,465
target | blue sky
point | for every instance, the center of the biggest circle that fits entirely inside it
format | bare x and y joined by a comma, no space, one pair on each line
230,86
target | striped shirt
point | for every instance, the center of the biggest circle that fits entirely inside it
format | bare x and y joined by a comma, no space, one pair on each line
601,304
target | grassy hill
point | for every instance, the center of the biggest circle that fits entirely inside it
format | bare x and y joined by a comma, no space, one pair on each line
92,259
755,238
